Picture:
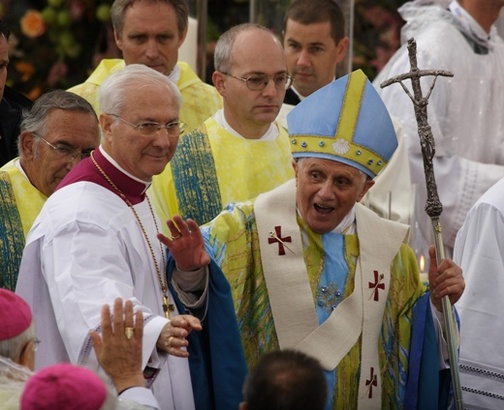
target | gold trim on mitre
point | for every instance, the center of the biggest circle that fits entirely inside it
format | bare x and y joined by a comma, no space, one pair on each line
341,144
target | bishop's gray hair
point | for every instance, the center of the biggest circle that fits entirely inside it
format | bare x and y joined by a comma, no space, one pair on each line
34,120
13,347
114,88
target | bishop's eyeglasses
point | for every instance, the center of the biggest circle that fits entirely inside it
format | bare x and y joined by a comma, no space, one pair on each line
258,82
150,128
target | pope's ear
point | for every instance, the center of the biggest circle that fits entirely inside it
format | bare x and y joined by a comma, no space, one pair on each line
295,165
367,186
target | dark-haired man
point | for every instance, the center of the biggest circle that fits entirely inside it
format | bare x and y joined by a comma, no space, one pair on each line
315,43
11,104
285,380
150,32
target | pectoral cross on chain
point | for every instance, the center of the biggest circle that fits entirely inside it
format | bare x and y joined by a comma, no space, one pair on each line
167,307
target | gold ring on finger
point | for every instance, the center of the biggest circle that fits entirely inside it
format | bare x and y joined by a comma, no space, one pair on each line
129,331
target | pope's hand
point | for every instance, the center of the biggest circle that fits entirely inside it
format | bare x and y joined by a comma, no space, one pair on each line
173,335
445,279
186,244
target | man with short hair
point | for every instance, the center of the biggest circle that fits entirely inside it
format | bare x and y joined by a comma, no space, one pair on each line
96,239
315,43
285,380
150,32
11,104
240,151
56,134
311,269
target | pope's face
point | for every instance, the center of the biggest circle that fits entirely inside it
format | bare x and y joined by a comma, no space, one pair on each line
143,156
150,35
312,55
326,191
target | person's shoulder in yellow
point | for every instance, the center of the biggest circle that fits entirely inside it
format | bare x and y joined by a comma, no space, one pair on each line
199,99
89,88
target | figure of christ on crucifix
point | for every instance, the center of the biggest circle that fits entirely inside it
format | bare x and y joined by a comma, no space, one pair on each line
465,111
433,207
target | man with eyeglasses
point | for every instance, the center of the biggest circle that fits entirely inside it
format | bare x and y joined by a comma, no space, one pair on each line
56,134
240,151
151,32
96,240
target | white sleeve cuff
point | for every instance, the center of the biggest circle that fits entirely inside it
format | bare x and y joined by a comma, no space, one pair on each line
140,395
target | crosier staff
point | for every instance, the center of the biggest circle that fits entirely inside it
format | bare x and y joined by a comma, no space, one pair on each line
433,206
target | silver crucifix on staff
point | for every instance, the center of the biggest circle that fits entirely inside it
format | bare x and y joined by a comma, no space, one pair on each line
433,206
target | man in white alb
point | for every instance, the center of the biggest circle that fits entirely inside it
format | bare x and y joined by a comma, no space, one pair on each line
95,240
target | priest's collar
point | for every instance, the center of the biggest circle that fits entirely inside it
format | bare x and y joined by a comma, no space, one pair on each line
175,74
130,185
347,225
301,97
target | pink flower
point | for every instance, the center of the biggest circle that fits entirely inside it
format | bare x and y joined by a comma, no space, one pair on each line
76,9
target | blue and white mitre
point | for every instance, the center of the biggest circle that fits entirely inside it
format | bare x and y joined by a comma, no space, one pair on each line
345,121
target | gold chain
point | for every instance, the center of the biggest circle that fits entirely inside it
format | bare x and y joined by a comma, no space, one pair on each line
167,307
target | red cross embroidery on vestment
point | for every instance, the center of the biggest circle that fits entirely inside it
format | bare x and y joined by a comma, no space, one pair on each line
372,381
376,285
276,237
